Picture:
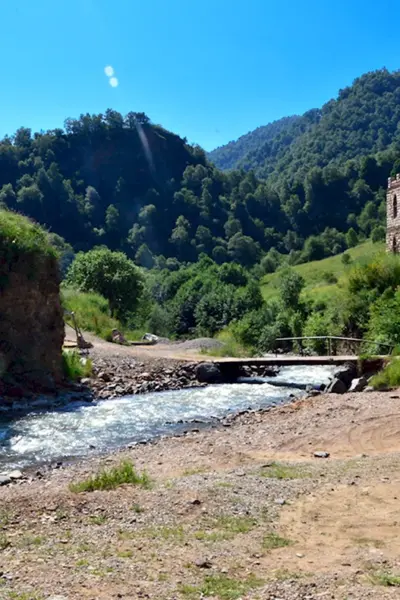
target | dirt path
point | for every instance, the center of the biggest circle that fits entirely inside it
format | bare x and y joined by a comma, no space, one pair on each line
104,349
244,511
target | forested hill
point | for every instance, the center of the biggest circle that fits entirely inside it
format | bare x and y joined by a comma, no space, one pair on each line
363,119
129,184
230,155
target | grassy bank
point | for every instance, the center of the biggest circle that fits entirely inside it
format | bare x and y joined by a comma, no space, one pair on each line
93,314
324,278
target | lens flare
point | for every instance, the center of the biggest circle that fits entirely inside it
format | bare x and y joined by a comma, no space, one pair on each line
109,71
114,82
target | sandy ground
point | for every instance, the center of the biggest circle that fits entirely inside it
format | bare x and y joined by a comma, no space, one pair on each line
242,511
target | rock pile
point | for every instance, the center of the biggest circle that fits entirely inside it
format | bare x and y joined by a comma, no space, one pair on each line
123,377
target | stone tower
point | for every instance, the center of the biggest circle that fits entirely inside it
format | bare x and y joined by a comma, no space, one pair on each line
393,215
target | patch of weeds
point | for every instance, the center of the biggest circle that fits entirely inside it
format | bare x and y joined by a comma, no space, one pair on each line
61,514
364,541
285,575
221,586
168,533
25,596
170,484
125,553
4,518
102,572
224,484
82,562
163,577
74,366
125,535
385,579
98,519
212,536
194,471
112,478
4,541
137,508
84,548
31,540
271,541
278,470
226,528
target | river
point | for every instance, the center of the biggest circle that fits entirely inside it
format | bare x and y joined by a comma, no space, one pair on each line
83,429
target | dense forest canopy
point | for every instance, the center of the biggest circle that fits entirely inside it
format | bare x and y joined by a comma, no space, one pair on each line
127,183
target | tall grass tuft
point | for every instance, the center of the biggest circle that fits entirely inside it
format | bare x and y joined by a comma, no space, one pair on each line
109,479
75,367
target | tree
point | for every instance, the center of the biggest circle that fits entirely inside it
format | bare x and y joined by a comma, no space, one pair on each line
144,257
290,287
351,238
243,249
378,234
110,274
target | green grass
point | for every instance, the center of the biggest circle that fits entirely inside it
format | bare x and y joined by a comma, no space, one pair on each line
75,367
386,579
315,273
112,478
225,528
221,586
389,377
92,313
271,541
19,234
277,470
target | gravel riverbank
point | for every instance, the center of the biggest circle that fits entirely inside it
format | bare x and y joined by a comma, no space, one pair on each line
243,510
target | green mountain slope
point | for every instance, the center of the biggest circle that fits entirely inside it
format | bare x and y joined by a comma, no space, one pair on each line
231,155
364,119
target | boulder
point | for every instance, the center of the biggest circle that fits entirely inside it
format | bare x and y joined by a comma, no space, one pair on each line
337,387
208,373
346,373
358,385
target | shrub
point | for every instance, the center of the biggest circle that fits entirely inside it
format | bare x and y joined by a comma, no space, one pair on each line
112,478
346,258
75,367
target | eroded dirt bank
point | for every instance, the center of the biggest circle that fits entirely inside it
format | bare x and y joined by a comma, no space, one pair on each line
242,511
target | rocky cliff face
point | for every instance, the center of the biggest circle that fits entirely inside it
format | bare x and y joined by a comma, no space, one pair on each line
31,324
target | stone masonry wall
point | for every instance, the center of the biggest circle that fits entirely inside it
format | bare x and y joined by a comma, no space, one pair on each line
393,220
31,325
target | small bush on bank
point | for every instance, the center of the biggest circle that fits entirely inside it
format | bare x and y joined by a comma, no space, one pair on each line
75,367
389,377
110,479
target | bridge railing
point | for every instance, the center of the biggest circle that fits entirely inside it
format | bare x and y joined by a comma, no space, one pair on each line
334,338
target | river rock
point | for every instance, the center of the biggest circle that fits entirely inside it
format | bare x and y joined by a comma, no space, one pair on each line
358,384
16,474
208,373
346,373
337,387
321,454
5,479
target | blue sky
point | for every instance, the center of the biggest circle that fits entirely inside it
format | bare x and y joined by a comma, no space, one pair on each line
210,70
